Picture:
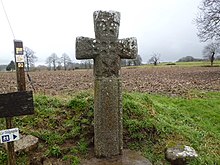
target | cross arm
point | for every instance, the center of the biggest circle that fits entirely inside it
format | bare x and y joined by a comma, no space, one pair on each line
128,48
85,48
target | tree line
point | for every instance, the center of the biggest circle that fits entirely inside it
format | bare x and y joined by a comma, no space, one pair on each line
30,59
208,26
54,62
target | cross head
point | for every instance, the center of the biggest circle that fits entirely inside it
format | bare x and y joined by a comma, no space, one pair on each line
106,49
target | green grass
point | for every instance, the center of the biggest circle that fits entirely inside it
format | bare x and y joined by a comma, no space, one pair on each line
151,124
181,64
199,63
195,120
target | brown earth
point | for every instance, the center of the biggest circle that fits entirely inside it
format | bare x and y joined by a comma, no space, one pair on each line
167,80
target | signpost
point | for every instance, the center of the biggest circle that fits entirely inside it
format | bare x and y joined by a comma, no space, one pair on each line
15,104
9,135
19,64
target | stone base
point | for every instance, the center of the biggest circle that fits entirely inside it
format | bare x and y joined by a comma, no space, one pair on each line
127,158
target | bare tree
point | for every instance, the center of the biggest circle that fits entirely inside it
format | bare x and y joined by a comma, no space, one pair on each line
129,62
126,62
208,20
30,58
59,64
138,60
55,59
70,66
210,51
65,59
49,62
52,60
154,59
123,62
87,64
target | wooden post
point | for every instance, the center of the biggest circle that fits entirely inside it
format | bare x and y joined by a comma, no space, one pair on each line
19,64
10,145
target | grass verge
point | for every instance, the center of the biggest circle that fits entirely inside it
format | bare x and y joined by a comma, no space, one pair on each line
152,123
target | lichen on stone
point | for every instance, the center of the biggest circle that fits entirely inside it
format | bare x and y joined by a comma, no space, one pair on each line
180,152
112,14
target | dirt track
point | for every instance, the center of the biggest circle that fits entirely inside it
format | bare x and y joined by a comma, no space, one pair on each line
168,80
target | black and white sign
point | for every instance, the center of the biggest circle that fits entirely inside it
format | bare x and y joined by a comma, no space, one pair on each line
9,135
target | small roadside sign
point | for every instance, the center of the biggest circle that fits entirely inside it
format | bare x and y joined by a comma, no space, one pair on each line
9,135
19,58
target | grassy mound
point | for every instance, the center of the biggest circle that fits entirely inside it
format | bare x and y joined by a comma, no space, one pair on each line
64,125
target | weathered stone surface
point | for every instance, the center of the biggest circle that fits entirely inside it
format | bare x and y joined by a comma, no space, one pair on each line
180,154
107,51
108,117
127,158
26,143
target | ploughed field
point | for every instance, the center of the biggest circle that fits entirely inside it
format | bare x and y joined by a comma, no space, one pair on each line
166,80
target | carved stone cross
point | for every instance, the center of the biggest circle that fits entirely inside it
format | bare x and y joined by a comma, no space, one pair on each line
107,51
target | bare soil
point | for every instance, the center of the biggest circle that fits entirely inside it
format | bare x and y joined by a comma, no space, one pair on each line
166,80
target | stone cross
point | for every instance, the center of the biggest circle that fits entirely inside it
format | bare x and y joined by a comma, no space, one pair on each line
107,51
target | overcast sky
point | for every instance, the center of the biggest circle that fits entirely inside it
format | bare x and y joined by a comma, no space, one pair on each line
51,26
